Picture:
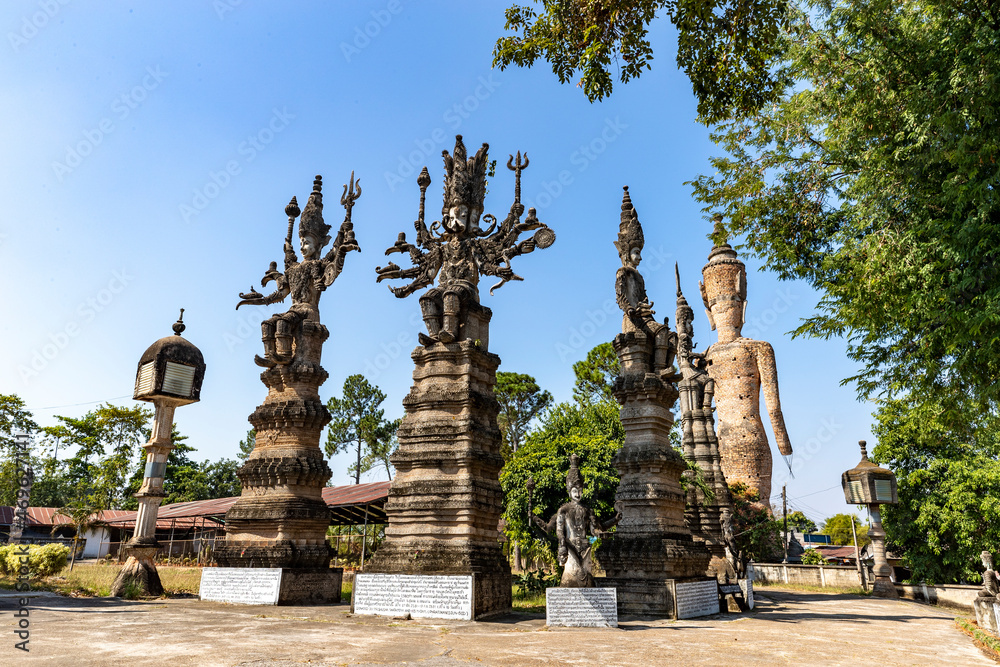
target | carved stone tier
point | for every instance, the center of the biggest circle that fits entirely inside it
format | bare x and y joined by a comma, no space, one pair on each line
705,516
281,519
445,502
652,544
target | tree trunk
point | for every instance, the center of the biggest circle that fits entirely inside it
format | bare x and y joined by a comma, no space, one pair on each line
517,557
357,470
72,556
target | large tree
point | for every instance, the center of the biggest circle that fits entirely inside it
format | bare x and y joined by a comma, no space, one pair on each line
947,465
725,47
15,419
595,375
874,177
838,527
521,400
359,422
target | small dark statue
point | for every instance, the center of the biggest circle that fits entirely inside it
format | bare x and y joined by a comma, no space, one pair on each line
571,524
991,582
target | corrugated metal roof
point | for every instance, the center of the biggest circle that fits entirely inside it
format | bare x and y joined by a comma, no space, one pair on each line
348,504
49,516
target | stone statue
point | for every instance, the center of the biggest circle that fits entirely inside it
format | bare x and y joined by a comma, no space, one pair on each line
741,367
630,291
456,250
706,513
280,519
445,503
571,525
991,581
305,280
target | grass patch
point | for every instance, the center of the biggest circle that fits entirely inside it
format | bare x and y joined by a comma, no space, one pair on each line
534,603
95,581
850,590
983,639
345,590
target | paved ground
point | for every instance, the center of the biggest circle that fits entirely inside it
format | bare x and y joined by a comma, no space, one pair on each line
786,628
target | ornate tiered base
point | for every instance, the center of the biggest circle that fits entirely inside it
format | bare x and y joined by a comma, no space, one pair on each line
281,519
652,547
139,572
445,502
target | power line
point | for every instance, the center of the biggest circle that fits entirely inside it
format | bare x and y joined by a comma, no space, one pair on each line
73,405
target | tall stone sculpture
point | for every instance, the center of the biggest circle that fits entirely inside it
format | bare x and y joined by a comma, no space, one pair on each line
445,502
280,520
652,547
741,368
571,524
705,516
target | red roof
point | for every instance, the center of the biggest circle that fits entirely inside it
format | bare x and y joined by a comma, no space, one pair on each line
836,552
49,516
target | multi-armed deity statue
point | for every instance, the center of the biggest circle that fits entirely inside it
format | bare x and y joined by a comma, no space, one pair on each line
707,514
741,367
445,502
653,548
281,519
571,524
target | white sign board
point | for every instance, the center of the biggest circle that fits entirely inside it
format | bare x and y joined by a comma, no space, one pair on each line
419,595
747,586
240,585
582,607
697,598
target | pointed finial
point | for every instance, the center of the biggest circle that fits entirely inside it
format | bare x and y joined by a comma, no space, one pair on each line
677,274
424,179
318,184
179,324
626,200
292,210
864,450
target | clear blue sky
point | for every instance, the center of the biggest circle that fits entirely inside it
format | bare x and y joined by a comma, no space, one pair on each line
150,149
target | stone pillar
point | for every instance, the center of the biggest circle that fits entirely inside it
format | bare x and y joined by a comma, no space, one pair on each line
281,519
652,544
445,502
883,587
140,567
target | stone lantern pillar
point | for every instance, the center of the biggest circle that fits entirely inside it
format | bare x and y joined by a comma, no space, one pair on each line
868,484
170,374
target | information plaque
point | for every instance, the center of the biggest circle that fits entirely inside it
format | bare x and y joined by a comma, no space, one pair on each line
419,595
240,585
581,607
697,598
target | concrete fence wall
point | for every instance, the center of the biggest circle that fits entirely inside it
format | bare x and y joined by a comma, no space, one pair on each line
843,576
951,595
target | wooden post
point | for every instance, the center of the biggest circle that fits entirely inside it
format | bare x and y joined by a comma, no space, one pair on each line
364,539
340,529
857,557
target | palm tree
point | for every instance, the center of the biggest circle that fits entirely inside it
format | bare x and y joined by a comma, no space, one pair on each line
82,516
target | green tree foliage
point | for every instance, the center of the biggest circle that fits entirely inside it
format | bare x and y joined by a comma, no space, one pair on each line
595,375
754,529
725,47
874,177
521,400
247,444
358,421
838,527
15,419
800,522
594,432
812,557
947,465
108,450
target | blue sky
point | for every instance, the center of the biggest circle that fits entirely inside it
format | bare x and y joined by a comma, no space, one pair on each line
150,149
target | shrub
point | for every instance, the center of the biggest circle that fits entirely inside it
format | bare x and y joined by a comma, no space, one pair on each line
812,557
43,560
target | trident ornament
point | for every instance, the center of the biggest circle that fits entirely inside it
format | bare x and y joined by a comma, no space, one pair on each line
516,167
350,196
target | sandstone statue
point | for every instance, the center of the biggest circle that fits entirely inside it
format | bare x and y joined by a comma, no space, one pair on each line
571,524
741,368
991,581
445,502
280,519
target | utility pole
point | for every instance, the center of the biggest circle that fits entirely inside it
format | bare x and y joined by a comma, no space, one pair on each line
784,513
857,556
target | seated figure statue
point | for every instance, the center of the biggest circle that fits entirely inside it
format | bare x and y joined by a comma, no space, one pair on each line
571,524
991,582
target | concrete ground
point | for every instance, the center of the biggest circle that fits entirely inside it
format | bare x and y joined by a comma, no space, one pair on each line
787,627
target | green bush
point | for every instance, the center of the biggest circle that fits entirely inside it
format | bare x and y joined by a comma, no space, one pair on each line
43,560
812,557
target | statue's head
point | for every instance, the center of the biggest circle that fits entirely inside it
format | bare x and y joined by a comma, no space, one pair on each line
724,290
464,189
313,232
574,480
987,560
630,238
685,319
